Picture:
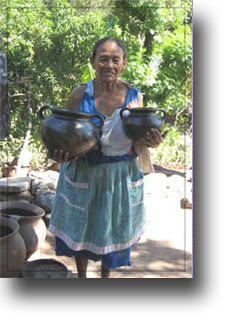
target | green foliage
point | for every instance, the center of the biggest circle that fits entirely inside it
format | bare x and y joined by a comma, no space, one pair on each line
174,63
88,72
139,17
50,42
161,65
46,42
176,148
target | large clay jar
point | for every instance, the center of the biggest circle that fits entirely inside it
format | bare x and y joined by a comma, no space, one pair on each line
12,249
29,218
70,131
138,121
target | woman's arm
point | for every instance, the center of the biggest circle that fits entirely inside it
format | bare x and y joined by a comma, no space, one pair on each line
140,100
75,98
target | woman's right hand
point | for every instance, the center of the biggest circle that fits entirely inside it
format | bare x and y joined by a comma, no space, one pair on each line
60,156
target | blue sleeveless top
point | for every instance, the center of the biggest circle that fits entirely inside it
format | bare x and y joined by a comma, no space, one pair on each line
87,105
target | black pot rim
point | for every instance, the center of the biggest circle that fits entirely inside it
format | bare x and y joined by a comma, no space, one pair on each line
28,265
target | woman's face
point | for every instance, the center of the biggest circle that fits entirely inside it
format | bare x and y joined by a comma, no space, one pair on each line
109,61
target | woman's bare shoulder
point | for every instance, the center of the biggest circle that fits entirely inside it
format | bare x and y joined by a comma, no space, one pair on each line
75,98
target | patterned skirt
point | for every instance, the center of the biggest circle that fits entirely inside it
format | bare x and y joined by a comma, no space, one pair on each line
98,211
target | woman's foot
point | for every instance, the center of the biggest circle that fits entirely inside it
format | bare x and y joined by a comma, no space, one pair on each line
105,272
81,264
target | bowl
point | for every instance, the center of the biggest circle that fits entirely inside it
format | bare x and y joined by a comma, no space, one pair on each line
45,268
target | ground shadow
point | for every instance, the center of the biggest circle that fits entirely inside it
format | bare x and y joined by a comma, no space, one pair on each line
153,258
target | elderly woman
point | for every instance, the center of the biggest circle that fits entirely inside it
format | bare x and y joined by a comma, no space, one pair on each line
98,213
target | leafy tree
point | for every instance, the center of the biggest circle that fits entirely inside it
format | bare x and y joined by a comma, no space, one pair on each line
161,64
48,45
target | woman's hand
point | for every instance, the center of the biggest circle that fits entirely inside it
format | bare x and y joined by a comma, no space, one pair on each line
153,138
60,156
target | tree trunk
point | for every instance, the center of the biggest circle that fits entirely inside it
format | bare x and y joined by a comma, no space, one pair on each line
148,42
4,102
25,156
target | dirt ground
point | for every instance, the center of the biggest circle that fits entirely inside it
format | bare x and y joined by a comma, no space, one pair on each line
165,249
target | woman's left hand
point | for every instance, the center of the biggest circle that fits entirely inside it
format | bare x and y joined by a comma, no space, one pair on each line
153,138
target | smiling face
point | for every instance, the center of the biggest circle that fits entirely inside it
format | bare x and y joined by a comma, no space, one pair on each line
109,61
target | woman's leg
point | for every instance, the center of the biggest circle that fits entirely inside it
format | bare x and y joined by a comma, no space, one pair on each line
81,264
105,272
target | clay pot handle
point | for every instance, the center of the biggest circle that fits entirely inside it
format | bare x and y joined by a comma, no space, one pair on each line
161,110
101,120
43,108
121,112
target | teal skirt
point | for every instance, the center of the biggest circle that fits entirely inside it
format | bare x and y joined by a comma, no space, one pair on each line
99,208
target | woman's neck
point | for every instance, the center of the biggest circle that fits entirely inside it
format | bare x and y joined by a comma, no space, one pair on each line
106,87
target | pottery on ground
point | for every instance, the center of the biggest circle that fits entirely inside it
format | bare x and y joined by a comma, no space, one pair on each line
12,249
45,268
29,218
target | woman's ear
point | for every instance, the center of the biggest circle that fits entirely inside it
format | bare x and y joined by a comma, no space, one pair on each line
124,64
92,61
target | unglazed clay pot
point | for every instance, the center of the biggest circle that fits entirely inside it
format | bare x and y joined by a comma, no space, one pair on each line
138,121
70,131
29,217
12,249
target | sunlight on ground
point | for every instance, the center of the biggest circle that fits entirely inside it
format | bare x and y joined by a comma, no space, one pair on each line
164,250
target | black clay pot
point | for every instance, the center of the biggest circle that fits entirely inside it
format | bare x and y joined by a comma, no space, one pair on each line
45,268
70,131
138,121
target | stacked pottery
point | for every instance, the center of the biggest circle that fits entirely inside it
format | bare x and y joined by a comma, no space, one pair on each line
12,249
15,189
29,217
